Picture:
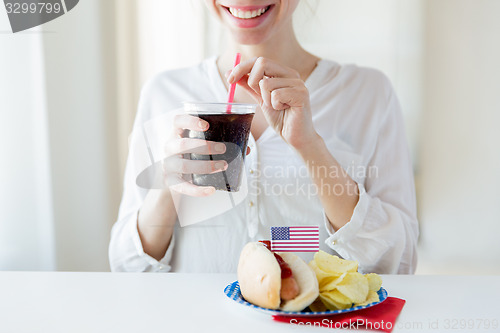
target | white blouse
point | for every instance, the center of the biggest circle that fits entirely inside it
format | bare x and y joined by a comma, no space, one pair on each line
356,112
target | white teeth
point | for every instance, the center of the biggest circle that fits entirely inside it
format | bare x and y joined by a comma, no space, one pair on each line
247,14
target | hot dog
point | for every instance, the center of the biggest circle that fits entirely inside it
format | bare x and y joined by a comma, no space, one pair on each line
275,280
289,287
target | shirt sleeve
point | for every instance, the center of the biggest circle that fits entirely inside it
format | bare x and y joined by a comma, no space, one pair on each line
126,253
383,231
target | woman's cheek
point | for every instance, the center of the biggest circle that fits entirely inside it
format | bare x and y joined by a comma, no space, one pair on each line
213,8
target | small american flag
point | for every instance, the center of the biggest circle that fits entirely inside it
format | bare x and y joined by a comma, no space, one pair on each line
295,239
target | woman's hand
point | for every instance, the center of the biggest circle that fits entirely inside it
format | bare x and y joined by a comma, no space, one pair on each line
282,96
177,170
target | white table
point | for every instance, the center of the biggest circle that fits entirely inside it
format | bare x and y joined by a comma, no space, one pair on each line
130,302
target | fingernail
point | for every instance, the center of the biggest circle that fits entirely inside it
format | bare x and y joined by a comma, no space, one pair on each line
209,191
220,165
230,79
220,147
203,125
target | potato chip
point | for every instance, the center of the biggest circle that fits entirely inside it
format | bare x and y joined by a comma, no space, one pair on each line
374,281
317,306
372,297
334,300
331,282
354,286
340,285
337,296
333,264
320,274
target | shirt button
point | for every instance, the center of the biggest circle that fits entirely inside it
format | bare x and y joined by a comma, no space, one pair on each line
334,242
251,203
251,171
161,267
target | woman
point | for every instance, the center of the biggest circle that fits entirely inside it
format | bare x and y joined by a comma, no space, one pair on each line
342,124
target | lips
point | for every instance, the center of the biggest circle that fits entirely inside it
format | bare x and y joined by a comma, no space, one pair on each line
248,16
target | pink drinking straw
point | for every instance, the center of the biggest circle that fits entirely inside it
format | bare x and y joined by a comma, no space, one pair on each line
232,89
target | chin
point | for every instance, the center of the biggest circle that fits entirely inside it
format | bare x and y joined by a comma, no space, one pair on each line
246,38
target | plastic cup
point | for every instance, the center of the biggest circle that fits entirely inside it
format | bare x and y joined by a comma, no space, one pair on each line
232,129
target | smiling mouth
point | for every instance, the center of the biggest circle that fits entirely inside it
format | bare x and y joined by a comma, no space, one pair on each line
247,14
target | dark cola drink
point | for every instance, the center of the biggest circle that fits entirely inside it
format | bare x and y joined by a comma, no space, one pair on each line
232,129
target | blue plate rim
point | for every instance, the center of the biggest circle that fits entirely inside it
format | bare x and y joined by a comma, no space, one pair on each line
232,291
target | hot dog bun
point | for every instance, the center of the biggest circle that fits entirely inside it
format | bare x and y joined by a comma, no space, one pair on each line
259,276
307,281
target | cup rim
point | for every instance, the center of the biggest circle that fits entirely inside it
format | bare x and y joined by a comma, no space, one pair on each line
219,107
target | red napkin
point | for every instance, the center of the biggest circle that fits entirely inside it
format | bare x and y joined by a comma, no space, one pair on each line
380,317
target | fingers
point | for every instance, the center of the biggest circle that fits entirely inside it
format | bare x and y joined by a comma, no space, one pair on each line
193,146
186,121
277,83
257,69
178,165
174,166
244,84
177,184
270,84
286,98
282,93
257,73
